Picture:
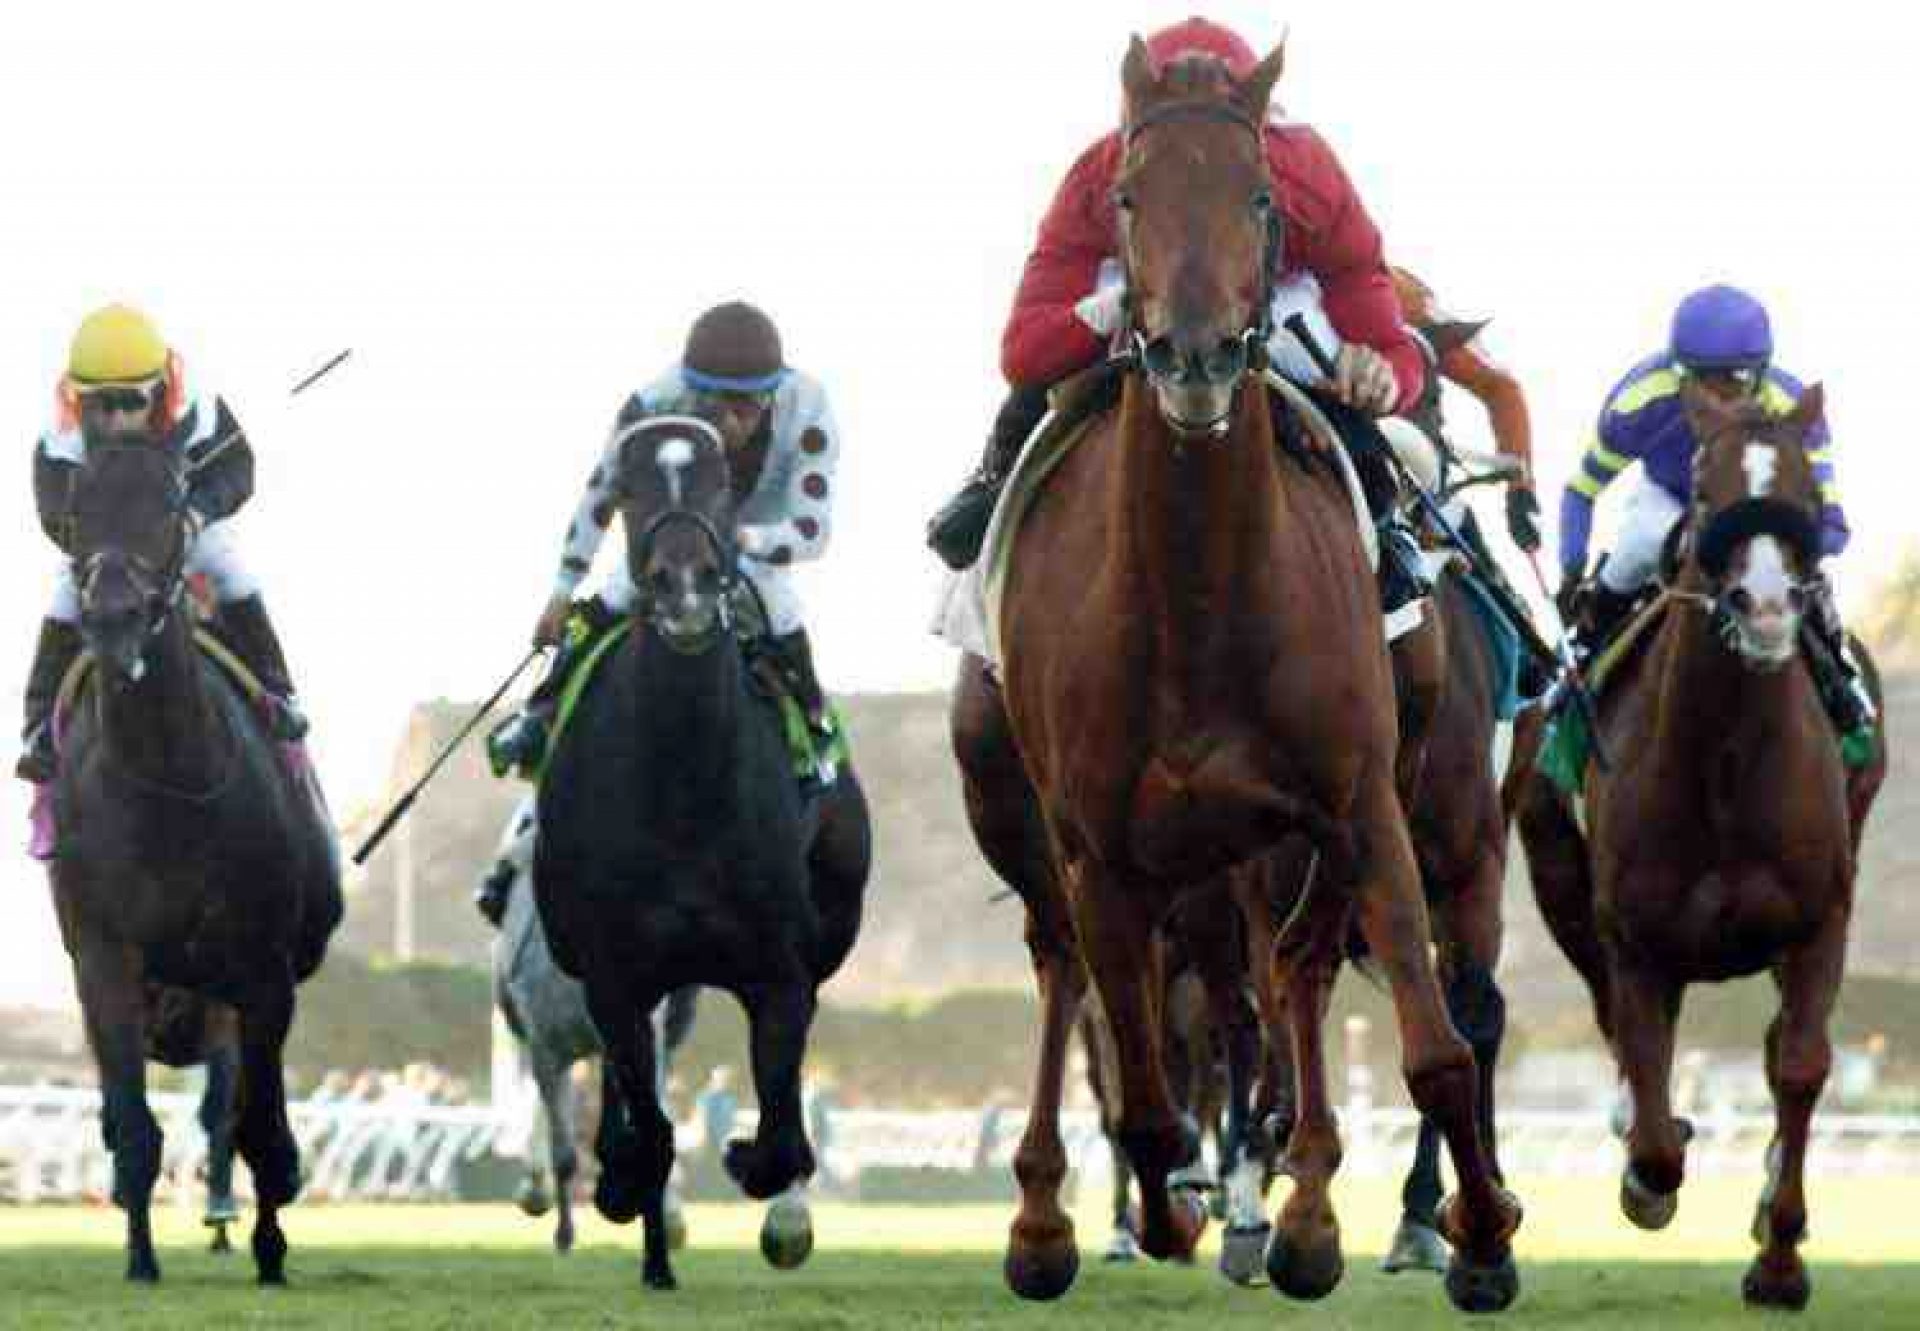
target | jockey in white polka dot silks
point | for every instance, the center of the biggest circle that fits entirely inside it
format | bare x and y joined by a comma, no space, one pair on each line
124,385
1720,345
782,448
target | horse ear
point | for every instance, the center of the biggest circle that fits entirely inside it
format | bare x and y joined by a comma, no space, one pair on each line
1811,407
1138,79
1257,91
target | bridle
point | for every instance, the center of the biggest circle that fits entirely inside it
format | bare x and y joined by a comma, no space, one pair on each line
1227,364
160,587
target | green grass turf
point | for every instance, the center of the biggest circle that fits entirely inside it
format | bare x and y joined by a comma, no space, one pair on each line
923,1268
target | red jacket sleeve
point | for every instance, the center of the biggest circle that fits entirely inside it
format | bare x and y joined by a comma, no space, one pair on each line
1045,341
1330,235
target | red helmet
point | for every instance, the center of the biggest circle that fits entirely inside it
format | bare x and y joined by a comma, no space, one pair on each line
1206,37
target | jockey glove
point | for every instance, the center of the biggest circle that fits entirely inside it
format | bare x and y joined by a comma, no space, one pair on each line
1523,519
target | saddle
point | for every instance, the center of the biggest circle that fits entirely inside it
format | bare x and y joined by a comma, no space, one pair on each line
817,749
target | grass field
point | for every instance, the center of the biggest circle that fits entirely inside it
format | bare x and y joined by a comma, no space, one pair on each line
923,1268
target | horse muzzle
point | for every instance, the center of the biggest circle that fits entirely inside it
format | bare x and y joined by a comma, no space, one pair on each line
1194,382
1761,608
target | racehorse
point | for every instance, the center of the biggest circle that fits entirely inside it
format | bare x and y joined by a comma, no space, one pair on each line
676,846
1722,838
193,853
1195,673
547,1013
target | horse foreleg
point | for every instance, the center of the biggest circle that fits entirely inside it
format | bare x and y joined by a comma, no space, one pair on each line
1303,1259
1438,1064
264,1135
779,1019
1223,968
217,1120
1645,1007
1799,1056
1123,957
1042,1259
553,1075
113,998
637,1144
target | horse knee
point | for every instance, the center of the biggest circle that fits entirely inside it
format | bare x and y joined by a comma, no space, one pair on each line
1478,1008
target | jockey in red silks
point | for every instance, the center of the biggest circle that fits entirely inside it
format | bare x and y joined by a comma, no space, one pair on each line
1071,303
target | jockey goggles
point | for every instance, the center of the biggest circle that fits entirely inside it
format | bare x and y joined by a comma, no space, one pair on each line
142,396
1748,379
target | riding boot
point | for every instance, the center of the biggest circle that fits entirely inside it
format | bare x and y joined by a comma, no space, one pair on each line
520,742
796,652
490,898
1606,613
959,527
53,656
1836,678
247,630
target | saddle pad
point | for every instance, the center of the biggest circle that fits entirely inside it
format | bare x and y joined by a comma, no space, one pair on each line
968,614
813,755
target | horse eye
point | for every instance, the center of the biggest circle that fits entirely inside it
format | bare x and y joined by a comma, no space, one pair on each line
1122,200
1263,201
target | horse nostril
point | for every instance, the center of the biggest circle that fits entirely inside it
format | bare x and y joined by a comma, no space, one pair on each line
1741,600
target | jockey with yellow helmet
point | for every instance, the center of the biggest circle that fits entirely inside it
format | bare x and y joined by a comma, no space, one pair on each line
125,385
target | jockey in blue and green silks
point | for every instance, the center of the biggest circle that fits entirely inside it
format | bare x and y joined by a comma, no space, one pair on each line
1720,344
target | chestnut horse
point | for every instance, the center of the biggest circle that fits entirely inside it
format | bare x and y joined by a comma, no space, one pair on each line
1722,839
1195,672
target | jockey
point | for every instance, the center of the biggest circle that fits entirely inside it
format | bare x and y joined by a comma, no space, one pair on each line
1720,344
123,384
1466,362
1071,302
782,448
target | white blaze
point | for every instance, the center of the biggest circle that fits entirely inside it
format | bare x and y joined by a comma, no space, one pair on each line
1760,461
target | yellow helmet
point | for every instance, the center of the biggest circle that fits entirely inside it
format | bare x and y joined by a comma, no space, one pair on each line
116,345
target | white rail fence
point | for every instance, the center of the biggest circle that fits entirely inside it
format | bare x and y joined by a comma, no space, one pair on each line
50,1148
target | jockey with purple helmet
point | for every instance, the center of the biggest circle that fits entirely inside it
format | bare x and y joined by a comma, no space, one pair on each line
1720,345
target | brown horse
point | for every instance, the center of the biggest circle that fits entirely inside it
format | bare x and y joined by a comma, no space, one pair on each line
1195,673
1721,841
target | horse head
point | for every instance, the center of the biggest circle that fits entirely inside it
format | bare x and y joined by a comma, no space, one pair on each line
1754,534
1199,228
676,501
129,523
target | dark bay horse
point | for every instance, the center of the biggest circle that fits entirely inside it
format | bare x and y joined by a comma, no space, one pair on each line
192,854
675,847
1195,673
1721,841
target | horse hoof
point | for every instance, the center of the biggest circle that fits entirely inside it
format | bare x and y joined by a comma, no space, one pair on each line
1122,1249
532,1200
563,1240
662,1280
1764,1288
1242,1251
1189,1224
676,1228
1416,1247
143,1271
761,1179
1042,1275
1483,1289
1646,1208
220,1242
786,1235
1306,1272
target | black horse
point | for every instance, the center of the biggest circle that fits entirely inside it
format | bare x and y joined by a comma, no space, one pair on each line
191,853
676,846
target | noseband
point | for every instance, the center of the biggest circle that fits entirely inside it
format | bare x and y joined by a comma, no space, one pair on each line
651,612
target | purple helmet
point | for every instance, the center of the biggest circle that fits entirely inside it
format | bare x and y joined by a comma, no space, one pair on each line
1721,328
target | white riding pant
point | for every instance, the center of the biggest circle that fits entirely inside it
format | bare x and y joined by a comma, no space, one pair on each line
215,555
774,582
1650,515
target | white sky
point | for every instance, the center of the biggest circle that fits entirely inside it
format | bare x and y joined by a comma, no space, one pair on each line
511,213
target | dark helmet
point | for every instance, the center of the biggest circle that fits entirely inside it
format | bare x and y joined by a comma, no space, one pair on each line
733,348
